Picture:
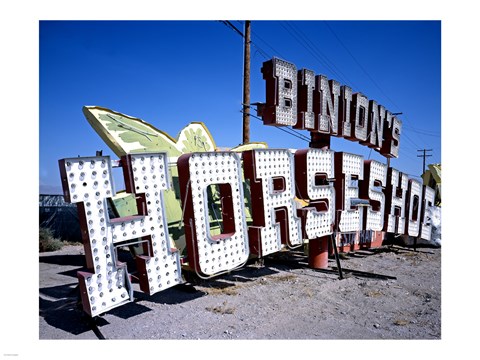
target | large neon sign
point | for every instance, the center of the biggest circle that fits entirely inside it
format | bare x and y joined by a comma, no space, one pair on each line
267,200
314,103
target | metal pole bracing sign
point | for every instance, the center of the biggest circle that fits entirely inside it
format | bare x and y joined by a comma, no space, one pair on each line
189,206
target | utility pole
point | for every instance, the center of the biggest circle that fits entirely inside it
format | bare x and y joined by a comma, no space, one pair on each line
246,84
424,156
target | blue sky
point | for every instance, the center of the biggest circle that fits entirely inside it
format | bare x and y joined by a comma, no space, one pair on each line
170,73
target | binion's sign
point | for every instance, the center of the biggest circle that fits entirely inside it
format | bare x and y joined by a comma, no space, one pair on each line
266,200
314,103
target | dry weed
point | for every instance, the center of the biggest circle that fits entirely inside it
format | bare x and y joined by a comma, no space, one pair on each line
230,290
283,278
373,293
221,309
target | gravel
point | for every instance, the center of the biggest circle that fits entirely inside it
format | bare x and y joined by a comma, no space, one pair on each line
386,293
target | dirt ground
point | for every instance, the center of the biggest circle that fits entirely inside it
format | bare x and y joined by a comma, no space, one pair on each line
386,293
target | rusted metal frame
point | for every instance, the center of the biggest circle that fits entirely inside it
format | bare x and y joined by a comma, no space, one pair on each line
337,257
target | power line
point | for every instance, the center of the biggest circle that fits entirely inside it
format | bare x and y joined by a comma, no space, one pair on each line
424,156
289,131
303,40
360,66
236,30
300,37
418,132
405,136
423,132
233,27
409,156
262,51
275,51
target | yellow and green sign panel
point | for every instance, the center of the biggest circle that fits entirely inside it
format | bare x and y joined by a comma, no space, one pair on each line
129,135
